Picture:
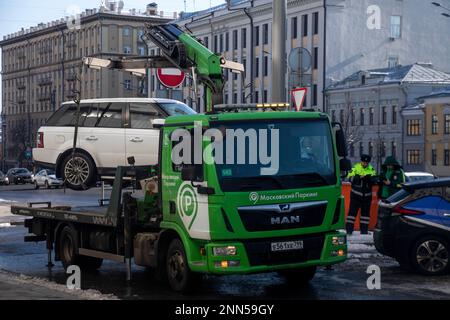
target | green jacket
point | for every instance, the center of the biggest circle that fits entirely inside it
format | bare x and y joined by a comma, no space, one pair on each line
395,176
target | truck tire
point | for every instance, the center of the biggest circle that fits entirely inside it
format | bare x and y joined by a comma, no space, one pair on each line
301,276
68,252
430,255
180,277
78,171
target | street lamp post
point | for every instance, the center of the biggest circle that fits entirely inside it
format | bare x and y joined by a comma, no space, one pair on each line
437,4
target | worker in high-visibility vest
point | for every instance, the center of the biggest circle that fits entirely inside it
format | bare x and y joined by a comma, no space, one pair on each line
363,176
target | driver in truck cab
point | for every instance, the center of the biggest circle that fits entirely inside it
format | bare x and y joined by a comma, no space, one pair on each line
362,177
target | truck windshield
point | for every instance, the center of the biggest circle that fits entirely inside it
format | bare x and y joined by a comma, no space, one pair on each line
305,155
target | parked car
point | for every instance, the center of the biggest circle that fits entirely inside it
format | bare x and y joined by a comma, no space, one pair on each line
3,179
47,178
19,175
414,227
419,176
110,131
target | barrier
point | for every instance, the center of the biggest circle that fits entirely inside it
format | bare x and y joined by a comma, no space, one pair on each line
346,189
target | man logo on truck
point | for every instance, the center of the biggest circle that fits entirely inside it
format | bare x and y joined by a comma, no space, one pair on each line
187,203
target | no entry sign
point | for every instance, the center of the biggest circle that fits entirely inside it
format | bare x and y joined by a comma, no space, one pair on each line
170,78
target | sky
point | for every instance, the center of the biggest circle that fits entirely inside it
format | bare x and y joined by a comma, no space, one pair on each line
18,14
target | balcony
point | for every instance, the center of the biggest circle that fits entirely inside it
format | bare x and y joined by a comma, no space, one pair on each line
45,81
21,100
21,85
71,77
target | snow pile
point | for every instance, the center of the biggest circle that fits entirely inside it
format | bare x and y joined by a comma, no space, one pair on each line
5,225
80,294
361,246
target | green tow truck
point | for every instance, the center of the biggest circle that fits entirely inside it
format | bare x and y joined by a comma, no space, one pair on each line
211,215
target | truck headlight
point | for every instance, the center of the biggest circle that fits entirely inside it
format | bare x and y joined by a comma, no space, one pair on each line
224,251
339,240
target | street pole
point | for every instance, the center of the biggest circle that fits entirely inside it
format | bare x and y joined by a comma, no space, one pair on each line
279,51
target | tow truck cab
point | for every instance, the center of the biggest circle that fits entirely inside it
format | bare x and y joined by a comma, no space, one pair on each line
234,218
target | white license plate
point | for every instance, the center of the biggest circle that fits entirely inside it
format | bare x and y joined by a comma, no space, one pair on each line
287,246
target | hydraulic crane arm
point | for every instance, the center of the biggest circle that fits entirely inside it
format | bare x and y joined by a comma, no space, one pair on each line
179,50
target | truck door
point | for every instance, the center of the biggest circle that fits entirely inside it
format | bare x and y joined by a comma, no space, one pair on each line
142,140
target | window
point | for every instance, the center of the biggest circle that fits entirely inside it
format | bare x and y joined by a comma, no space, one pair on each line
361,149
341,116
266,66
446,157
206,42
221,43
141,51
244,38
227,41
216,44
265,98
316,22
372,116
315,95
447,124
396,29
142,114
394,149
361,116
394,115
294,27
333,115
353,117
383,149
235,40
316,58
305,25
266,34
413,157
256,36
434,124
256,97
433,157
234,97
392,62
413,127
127,50
352,150
257,67
384,115
126,32
371,149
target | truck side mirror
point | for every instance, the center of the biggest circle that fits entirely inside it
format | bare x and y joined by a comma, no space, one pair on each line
341,144
345,165
192,173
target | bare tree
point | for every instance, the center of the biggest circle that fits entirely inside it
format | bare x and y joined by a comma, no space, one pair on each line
353,131
18,136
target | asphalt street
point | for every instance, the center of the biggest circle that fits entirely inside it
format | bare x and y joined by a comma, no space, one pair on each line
344,281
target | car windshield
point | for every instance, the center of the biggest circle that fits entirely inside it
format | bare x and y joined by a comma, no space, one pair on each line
176,108
306,161
50,172
19,171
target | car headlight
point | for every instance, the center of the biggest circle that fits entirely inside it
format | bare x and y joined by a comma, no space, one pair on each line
6,179
224,251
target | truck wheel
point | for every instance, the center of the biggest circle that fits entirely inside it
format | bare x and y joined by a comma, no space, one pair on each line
301,276
68,248
430,256
78,171
68,252
180,277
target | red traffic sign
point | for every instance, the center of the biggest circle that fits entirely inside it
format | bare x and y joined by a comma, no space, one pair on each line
170,77
298,96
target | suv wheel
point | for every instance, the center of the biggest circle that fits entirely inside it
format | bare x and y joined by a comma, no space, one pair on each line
78,171
430,256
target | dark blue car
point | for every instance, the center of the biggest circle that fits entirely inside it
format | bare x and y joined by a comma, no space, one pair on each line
414,227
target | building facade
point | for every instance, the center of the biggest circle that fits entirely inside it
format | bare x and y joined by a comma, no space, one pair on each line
437,133
359,35
41,68
370,105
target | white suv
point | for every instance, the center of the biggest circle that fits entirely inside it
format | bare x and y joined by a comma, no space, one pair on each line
110,131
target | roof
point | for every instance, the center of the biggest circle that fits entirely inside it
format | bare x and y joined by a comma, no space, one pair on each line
428,184
135,100
189,15
438,94
415,73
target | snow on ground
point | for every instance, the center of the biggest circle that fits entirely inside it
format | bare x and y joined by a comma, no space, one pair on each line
81,294
361,246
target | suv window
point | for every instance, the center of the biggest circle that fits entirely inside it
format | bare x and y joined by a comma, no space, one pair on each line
110,115
66,116
142,114
176,108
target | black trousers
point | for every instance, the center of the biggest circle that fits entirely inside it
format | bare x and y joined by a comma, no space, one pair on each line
358,202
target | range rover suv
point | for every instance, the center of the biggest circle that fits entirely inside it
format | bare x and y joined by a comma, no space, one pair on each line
110,131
